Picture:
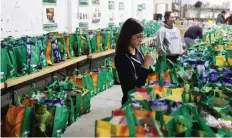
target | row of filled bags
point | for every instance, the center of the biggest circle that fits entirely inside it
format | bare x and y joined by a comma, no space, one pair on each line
170,112
28,54
208,55
151,27
196,107
48,112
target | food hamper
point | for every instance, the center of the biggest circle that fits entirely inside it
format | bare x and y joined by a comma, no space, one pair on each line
190,98
27,54
47,112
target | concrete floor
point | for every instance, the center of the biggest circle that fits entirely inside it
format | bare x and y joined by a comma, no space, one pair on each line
101,107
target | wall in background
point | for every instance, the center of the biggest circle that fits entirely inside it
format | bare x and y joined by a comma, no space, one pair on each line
169,2
206,13
25,17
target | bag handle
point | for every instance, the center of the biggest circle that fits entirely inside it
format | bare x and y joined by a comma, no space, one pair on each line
14,99
132,121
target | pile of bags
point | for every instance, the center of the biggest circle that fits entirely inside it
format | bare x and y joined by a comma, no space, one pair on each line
28,54
190,98
151,27
48,112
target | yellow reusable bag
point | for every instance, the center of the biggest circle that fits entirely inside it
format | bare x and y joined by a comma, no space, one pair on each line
163,93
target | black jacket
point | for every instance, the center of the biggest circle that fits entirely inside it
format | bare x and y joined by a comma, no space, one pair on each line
131,71
194,32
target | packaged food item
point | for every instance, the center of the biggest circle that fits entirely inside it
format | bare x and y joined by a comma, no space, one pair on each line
140,94
119,118
163,105
216,123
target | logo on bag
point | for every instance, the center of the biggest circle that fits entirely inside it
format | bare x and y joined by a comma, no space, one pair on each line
58,133
1,75
33,66
12,72
44,62
26,133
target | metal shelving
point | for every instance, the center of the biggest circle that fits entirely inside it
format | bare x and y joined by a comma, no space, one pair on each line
200,10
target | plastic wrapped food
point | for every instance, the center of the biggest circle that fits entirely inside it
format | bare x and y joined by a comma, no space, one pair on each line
159,105
39,97
227,77
54,102
214,76
218,123
166,84
136,105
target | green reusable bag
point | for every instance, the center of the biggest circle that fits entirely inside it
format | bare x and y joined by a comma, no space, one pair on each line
189,117
84,46
35,57
71,110
113,39
41,43
89,84
93,40
12,64
109,73
102,80
49,121
109,77
106,36
4,61
22,60
88,49
76,97
99,40
133,121
73,44
60,121
86,102
82,101
27,121
79,48
62,47
163,65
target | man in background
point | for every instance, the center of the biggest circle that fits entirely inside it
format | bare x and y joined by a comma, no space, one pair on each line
192,34
221,18
229,19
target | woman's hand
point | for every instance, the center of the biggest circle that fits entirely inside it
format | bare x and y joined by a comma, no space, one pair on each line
148,60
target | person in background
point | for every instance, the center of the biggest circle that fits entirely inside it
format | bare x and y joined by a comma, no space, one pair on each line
229,19
132,66
221,18
169,38
192,34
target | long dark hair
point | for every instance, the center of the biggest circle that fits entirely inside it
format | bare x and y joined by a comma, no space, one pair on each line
167,15
129,28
